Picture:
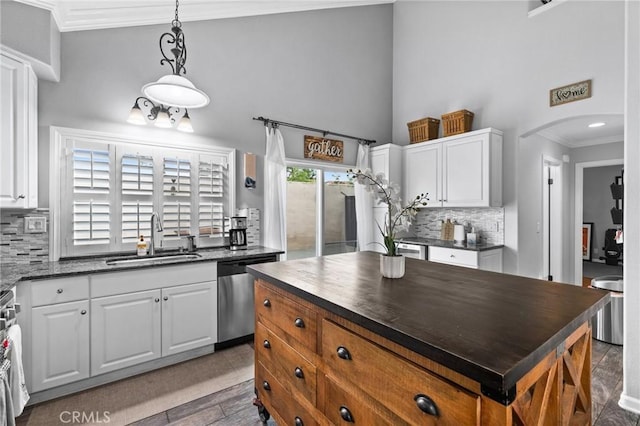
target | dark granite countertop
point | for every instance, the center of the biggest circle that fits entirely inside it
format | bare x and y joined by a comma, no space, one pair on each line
488,326
10,275
434,242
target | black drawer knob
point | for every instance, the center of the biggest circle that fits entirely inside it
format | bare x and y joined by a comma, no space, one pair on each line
266,385
344,353
266,344
266,303
298,372
59,291
426,404
346,414
299,421
299,323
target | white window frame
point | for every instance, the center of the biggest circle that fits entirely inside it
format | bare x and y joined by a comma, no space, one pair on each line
60,137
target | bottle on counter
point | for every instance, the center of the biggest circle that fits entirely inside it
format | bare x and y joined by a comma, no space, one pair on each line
142,246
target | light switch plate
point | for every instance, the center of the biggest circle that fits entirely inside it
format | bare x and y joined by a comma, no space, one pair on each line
35,224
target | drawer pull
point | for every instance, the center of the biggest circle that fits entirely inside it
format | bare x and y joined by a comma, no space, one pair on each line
344,353
83,312
299,323
266,386
298,372
299,421
59,291
266,344
266,303
426,404
346,414
451,255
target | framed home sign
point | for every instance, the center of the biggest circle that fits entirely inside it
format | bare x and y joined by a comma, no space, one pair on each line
570,93
586,240
323,149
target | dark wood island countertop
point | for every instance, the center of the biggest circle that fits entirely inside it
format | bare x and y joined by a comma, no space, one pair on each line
490,327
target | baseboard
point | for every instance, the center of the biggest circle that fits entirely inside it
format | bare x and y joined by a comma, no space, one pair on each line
629,403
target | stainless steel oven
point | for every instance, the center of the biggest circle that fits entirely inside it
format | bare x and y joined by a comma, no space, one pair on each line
416,251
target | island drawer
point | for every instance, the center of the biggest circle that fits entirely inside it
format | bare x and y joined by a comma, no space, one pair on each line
342,406
397,383
285,363
467,258
273,394
297,322
59,290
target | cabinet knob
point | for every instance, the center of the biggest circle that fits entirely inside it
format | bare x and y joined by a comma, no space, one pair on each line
346,414
83,312
266,344
266,303
343,353
165,298
157,300
298,372
298,421
266,385
21,197
59,291
299,323
451,255
426,404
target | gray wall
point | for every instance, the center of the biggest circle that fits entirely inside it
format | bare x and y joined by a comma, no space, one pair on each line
490,58
329,69
597,203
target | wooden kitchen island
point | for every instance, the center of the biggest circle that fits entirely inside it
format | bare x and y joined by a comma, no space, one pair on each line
336,343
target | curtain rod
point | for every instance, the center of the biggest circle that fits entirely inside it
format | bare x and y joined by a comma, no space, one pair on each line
266,121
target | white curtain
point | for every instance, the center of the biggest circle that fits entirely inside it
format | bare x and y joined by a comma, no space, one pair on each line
364,203
275,191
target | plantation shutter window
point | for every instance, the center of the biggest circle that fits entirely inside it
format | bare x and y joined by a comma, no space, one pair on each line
210,219
177,177
211,176
90,171
91,222
136,220
176,218
137,174
211,184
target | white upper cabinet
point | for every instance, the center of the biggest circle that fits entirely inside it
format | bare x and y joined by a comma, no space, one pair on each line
18,134
387,159
458,171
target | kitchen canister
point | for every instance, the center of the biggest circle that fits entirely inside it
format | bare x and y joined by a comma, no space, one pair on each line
458,234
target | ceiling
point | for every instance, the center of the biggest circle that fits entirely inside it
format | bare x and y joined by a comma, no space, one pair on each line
76,15
575,132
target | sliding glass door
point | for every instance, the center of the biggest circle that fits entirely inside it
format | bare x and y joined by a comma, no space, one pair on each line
321,215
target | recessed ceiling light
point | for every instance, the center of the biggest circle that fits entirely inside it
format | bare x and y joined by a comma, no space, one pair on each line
598,124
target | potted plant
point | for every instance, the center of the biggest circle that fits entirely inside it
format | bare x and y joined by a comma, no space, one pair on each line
397,217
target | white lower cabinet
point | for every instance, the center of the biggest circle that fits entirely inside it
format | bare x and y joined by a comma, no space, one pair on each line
125,330
187,320
78,327
59,344
487,260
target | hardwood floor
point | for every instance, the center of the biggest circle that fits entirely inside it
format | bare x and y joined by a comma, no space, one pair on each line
233,406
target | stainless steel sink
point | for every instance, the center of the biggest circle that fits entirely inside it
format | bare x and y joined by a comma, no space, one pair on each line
157,259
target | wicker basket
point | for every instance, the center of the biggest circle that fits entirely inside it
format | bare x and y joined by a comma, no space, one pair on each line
456,122
423,130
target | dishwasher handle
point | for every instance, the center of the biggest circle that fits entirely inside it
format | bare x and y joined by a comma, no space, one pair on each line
235,267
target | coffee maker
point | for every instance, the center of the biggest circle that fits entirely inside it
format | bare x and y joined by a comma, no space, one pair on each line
238,233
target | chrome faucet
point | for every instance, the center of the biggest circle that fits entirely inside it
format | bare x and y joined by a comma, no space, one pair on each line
155,226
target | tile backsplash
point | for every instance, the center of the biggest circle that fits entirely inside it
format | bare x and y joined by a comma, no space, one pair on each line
488,222
18,247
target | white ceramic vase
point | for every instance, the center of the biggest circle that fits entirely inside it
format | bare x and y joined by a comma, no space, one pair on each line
392,266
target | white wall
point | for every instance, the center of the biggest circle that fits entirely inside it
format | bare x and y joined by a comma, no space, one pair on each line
490,58
329,69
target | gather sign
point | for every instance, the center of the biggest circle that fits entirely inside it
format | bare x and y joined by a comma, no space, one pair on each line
570,93
323,149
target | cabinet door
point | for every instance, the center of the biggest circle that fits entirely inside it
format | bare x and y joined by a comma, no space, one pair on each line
423,173
125,330
18,134
189,317
59,344
466,172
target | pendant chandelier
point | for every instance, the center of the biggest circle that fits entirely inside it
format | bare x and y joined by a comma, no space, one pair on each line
166,100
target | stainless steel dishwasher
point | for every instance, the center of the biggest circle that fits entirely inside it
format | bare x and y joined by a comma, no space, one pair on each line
235,300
